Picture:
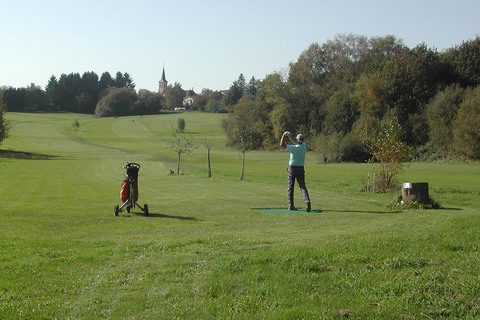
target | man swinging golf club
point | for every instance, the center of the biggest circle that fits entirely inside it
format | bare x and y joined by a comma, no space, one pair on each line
296,168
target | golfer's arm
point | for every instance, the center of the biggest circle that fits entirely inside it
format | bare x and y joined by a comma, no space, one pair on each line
282,140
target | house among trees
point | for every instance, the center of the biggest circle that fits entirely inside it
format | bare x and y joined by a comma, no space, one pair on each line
188,101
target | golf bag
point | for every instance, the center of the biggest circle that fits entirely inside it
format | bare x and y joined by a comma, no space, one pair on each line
132,175
129,190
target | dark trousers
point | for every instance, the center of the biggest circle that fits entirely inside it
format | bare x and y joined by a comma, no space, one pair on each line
298,173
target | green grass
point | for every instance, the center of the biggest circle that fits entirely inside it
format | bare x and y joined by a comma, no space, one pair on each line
204,253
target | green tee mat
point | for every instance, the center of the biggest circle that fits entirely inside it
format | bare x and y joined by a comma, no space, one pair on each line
283,211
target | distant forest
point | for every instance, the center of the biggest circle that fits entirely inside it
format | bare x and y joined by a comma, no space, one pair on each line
330,94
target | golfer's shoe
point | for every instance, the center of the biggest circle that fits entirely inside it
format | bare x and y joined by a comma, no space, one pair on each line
292,208
309,207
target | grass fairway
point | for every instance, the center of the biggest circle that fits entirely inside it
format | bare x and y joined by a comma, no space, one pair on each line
204,252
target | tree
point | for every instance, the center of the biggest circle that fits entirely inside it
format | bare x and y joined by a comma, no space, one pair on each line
52,92
241,130
251,88
340,113
466,132
15,99
210,101
440,113
123,80
117,102
36,98
236,91
411,79
174,96
148,102
369,94
4,124
181,144
128,80
106,81
69,87
464,63
87,99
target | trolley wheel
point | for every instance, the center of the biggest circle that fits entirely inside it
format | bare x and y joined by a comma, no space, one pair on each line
145,208
116,210
128,209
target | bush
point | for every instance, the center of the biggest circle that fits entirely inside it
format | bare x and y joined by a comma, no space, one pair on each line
180,125
398,203
76,125
338,147
384,142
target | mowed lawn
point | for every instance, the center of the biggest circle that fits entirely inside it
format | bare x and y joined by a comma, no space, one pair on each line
204,252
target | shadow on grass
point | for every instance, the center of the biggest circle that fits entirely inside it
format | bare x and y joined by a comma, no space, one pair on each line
364,211
161,215
24,155
283,210
387,211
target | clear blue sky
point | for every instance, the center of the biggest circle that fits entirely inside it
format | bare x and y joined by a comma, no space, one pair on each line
205,44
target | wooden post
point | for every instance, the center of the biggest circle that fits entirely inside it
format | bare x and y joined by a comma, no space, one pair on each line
368,181
208,161
415,191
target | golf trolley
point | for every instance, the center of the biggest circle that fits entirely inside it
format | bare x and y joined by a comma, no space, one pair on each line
129,190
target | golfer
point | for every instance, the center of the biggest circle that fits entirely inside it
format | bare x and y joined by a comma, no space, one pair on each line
296,168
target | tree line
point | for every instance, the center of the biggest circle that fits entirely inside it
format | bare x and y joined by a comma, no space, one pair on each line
336,93
341,92
69,93
108,96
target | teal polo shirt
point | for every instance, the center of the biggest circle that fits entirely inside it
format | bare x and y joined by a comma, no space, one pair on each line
297,154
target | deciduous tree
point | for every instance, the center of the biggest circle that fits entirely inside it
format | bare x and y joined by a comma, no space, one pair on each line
466,131
148,102
181,144
464,61
174,96
241,130
117,102
440,113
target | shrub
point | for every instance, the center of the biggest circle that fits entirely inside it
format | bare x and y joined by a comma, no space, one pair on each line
338,147
76,125
180,125
384,142
398,203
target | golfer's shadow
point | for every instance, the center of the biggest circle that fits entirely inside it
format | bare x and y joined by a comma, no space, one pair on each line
161,215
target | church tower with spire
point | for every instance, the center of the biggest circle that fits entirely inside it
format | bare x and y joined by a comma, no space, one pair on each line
162,84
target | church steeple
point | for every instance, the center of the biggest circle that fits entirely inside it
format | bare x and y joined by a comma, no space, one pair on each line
162,84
